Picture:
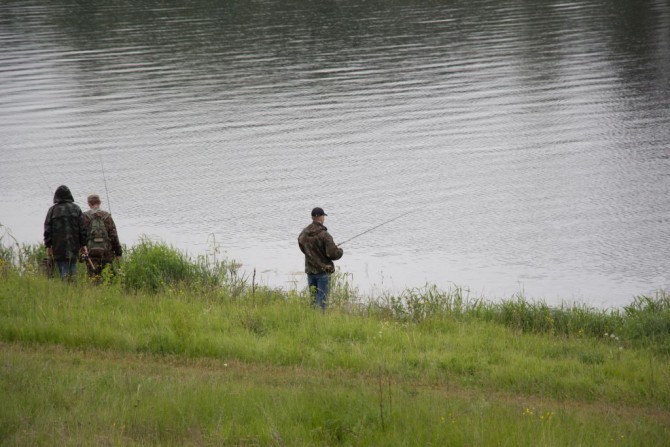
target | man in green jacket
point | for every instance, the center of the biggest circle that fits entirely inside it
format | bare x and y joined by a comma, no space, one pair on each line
103,240
320,251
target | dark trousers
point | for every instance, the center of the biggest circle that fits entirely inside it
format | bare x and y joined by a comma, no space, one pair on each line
318,288
67,268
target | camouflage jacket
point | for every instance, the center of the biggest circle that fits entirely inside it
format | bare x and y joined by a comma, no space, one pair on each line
319,249
64,230
111,230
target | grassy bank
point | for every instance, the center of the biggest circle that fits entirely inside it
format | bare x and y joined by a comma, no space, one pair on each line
177,351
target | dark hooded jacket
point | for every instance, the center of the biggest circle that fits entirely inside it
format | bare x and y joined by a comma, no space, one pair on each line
64,230
319,249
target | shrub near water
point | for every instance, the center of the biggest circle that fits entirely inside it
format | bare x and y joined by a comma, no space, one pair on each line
154,266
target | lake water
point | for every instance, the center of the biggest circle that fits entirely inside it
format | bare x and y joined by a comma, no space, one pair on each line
530,139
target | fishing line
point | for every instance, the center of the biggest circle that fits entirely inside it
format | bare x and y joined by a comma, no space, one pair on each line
375,227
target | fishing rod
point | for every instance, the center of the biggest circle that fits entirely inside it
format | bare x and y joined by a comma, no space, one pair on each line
375,227
109,204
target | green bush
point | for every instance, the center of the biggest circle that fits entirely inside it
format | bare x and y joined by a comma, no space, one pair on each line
155,266
647,321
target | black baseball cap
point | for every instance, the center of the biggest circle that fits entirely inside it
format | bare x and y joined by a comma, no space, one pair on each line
318,212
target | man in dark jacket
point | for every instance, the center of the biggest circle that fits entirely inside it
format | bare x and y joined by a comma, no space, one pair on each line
320,252
64,232
103,240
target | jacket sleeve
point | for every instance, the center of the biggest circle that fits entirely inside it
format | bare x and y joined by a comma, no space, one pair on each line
83,231
47,230
300,245
332,250
113,236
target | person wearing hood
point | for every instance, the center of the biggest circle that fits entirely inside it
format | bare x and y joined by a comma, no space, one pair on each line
320,251
64,232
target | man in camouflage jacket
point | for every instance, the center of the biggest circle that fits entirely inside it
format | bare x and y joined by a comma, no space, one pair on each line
98,263
320,251
64,232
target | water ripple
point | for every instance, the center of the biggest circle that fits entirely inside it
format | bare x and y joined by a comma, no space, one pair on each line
530,138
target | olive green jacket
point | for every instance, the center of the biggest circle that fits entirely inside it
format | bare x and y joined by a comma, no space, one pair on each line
319,248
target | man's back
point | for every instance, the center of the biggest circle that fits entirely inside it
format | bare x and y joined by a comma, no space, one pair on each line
319,249
64,231
103,239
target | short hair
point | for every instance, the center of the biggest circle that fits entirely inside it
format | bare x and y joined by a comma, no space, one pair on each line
94,199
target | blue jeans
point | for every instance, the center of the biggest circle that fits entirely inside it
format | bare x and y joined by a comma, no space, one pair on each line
67,268
318,288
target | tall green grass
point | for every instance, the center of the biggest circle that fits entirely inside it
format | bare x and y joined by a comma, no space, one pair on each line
175,350
156,267
26,258
644,322
282,329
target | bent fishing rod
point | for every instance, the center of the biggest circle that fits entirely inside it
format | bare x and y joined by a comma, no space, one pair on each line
375,227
